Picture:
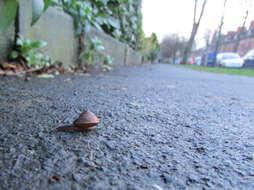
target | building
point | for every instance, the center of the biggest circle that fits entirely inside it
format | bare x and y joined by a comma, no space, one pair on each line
240,41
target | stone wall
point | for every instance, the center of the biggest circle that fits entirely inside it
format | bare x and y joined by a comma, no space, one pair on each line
6,39
56,28
124,20
113,47
132,57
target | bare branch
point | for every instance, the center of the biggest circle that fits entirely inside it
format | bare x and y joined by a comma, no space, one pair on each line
172,46
202,11
195,11
194,31
248,4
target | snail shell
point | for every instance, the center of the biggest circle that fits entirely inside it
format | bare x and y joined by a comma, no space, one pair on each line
85,120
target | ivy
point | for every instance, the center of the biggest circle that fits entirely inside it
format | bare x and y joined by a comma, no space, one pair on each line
9,10
29,51
119,18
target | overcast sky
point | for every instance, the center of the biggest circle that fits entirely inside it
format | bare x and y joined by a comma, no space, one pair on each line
169,16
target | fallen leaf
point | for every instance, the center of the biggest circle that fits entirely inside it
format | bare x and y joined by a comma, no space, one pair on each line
19,68
61,70
52,180
84,70
9,73
2,72
57,178
8,66
45,76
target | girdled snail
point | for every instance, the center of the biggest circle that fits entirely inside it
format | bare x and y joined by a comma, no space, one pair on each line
86,120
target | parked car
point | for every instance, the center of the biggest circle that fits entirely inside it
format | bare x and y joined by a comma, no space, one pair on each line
210,59
191,61
229,60
249,59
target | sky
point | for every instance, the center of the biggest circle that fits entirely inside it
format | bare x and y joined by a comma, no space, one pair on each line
165,17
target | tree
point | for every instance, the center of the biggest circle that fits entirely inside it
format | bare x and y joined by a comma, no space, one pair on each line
150,47
155,47
168,46
247,7
207,37
172,46
195,26
218,40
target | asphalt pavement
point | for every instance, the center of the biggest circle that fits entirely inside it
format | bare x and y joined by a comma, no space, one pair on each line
161,127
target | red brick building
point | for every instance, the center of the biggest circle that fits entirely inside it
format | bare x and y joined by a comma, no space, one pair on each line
243,37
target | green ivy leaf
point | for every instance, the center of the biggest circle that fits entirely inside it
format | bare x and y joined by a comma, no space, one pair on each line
46,4
87,27
97,26
42,44
77,26
20,41
7,13
14,54
38,44
121,19
37,10
73,1
114,23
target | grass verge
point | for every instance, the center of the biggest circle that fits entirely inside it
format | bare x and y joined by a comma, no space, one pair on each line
229,71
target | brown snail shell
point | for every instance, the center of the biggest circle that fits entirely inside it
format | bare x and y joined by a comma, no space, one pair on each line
86,120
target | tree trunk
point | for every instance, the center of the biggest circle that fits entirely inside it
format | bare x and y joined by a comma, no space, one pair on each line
195,26
237,42
238,39
189,45
174,56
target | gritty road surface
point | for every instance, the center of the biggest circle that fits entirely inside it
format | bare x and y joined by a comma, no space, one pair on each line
161,127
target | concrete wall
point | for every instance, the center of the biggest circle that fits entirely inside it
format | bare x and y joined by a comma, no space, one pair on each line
113,47
6,39
121,53
56,28
132,57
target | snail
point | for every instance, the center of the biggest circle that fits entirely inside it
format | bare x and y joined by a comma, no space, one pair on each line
86,120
